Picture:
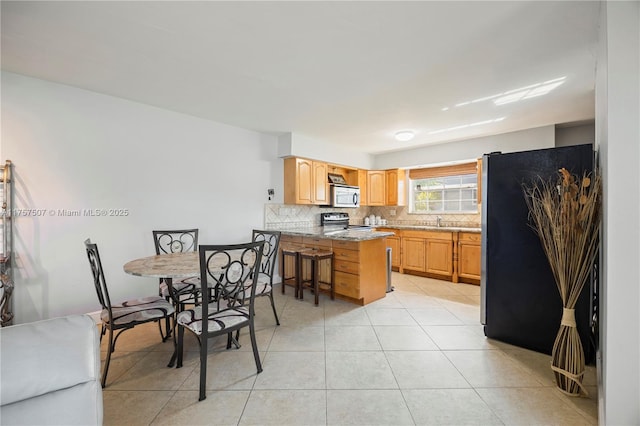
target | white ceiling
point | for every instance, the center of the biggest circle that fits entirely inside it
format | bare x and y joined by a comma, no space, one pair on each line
351,73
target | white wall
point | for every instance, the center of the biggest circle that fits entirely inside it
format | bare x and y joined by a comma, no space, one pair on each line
297,145
618,139
524,140
74,149
567,135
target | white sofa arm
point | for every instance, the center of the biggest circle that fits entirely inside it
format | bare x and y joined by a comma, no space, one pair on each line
50,372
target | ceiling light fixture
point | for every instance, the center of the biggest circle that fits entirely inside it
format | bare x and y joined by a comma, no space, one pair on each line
404,135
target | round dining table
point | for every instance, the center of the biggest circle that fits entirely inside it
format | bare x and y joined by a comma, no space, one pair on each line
168,266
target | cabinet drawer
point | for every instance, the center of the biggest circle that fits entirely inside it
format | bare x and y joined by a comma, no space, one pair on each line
348,255
347,245
469,236
347,284
290,239
433,235
316,242
349,267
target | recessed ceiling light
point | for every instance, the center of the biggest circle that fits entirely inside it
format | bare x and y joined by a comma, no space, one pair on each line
404,135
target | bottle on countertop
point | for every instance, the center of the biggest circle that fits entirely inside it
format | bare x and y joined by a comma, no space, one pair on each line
367,221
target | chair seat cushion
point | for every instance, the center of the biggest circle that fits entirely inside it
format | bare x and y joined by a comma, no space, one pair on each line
186,286
218,320
138,310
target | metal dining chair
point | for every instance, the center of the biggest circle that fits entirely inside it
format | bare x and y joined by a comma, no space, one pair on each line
232,271
124,315
267,265
186,290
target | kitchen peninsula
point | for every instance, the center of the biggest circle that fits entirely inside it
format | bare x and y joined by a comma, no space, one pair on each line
359,263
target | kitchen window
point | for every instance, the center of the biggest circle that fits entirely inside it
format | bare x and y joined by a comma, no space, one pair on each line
449,189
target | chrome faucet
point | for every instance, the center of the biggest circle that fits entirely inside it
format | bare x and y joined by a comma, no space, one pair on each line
438,219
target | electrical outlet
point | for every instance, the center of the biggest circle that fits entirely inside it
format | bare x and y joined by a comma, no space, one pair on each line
392,212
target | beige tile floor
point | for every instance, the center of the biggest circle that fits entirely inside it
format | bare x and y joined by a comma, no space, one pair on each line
417,357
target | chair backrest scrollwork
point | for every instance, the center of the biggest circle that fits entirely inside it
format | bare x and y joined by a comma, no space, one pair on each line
175,241
270,252
230,272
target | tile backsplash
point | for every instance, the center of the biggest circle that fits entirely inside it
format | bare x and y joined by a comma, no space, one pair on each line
290,215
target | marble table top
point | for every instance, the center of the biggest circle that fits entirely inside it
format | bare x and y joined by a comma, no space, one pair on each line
172,265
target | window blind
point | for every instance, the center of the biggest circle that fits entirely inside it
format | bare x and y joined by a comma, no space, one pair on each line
432,172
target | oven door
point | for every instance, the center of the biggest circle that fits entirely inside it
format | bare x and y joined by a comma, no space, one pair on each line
345,196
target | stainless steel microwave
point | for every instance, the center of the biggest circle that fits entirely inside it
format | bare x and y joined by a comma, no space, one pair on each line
345,196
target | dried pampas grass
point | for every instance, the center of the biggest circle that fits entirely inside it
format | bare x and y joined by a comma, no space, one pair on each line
565,213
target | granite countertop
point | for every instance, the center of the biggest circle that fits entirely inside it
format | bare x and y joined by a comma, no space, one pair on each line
431,228
347,234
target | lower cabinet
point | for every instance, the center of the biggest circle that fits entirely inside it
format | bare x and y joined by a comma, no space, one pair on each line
440,255
469,256
413,250
428,251
443,254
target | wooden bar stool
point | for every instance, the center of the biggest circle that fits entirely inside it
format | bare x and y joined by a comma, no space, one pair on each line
293,281
315,256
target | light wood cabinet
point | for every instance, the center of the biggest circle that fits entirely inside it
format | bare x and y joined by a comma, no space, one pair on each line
305,182
376,188
395,191
439,256
469,256
362,183
320,183
413,254
428,251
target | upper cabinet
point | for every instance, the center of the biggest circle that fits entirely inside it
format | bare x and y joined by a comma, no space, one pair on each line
386,187
395,187
305,181
363,184
376,183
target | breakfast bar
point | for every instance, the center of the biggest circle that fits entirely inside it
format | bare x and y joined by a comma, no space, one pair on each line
360,269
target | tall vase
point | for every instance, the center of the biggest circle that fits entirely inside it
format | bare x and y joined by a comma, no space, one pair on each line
567,356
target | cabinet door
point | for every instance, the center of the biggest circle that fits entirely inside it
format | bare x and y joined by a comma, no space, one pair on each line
469,260
304,181
413,254
320,183
362,183
391,187
395,190
439,257
376,184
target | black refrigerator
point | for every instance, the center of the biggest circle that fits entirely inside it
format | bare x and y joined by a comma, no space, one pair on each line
520,303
